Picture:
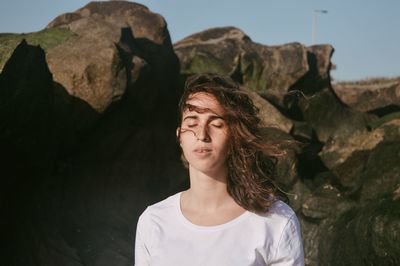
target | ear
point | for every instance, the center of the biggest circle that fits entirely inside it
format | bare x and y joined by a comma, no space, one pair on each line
178,134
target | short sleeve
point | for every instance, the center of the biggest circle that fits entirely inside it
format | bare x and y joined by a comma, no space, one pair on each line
142,256
290,247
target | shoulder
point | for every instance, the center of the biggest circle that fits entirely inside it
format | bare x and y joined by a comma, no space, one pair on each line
167,203
289,222
279,222
281,209
286,217
160,216
288,243
279,214
279,232
160,209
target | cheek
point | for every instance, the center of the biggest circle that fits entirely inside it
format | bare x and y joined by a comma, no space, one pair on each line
186,142
223,148
223,140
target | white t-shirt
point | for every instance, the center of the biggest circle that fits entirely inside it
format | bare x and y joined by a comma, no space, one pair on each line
164,237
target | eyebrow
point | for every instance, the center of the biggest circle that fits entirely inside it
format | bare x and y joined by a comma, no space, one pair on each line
213,117
191,117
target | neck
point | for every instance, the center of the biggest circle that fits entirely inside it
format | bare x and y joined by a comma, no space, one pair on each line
207,192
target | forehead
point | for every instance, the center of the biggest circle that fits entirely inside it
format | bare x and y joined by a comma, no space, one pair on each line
204,101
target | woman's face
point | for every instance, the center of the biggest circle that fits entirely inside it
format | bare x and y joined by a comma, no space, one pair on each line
204,134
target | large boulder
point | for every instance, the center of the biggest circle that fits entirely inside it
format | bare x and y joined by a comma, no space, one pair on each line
272,71
286,162
115,42
381,175
90,70
318,76
346,209
325,202
74,116
215,50
379,98
328,116
47,39
367,159
321,207
269,115
366,235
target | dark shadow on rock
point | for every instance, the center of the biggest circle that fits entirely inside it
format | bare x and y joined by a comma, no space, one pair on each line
128,161
153,78
318,75
75,119
37,127
316,79
309,163
385,110
73,181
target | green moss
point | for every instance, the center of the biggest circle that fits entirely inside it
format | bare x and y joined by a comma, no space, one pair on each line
47,39
253,77
376,123
204,64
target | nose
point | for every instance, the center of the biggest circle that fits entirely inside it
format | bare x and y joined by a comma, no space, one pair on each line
202,134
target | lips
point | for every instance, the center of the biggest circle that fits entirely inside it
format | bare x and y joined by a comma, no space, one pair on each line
202,150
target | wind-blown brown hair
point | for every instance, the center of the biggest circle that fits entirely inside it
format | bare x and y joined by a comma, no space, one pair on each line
250,160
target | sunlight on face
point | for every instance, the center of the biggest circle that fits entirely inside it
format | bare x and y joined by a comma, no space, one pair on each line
204,134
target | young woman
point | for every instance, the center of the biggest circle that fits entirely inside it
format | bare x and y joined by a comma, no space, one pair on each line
230,214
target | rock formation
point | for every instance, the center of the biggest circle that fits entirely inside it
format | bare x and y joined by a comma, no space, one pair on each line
114,43
333,154
87,137
379,99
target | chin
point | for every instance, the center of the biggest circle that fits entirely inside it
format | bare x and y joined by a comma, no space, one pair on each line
208,169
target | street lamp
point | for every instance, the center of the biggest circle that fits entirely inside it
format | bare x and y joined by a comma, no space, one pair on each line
314,23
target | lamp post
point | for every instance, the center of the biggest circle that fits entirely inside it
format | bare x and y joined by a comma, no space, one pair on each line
314,23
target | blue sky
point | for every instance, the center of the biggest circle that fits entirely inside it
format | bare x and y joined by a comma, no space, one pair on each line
364,33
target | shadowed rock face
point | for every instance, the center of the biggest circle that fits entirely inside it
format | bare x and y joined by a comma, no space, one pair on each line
26,98
318,76
328,116
87,139
28,146
87,151
371,232
269,115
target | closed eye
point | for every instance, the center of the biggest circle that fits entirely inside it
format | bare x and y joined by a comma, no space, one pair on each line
217,122
217,125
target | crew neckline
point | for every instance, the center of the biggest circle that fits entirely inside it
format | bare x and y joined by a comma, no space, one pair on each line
191,225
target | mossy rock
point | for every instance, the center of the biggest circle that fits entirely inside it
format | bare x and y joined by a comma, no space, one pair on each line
205,63
368,236
47,39
381,175
252,69
383,120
